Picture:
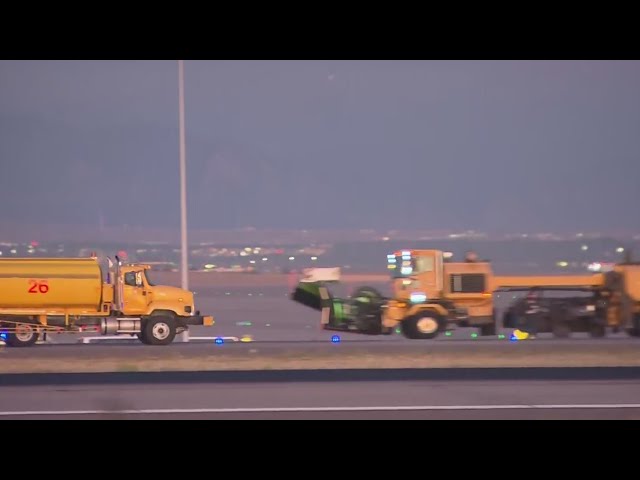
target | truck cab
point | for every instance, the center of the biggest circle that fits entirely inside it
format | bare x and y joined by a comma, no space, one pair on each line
155,312
141,296
426,281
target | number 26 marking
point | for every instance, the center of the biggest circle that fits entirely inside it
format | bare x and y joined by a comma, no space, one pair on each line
38,286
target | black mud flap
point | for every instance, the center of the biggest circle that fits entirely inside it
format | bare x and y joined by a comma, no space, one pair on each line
309,294
314,295
359,315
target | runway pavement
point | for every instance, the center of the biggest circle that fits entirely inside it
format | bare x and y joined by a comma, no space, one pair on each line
133,349
592,394
533,413
280,327
267,315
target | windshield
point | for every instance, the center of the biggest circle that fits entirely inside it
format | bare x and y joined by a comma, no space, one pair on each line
404,264
401,264
149,282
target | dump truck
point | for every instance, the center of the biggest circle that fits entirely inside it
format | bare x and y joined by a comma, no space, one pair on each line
431,294
79,295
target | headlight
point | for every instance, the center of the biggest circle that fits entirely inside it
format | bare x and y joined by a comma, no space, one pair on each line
418,297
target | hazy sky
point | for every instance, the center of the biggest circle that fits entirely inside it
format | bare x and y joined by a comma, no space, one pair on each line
489,145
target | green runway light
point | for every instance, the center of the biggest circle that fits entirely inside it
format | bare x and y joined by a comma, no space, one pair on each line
474,335
398,331
448,334
501,336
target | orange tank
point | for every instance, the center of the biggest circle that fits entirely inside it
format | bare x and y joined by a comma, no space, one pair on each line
50,283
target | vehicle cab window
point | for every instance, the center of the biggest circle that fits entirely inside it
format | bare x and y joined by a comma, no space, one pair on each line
405,264
130,279
133,279
423,264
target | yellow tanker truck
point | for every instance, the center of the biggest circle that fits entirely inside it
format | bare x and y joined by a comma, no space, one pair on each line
57,295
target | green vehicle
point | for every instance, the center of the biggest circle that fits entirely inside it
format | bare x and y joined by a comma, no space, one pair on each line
359,313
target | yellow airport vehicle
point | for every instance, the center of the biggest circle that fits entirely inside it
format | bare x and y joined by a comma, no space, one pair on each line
432,294
75,295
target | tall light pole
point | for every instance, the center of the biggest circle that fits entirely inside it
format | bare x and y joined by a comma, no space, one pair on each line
183,182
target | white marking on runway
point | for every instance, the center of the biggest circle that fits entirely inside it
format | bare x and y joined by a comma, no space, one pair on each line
170,411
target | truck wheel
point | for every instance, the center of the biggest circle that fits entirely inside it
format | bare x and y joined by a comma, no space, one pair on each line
369,323
367,303
24,336
158,330
141,336
423,326
368,292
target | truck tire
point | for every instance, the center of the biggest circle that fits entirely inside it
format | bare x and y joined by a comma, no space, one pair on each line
158,330
142,336
368,292
367,302
369,322
423,325
156,313
26,336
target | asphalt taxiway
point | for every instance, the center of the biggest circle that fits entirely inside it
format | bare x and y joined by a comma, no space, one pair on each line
341,394
133,349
